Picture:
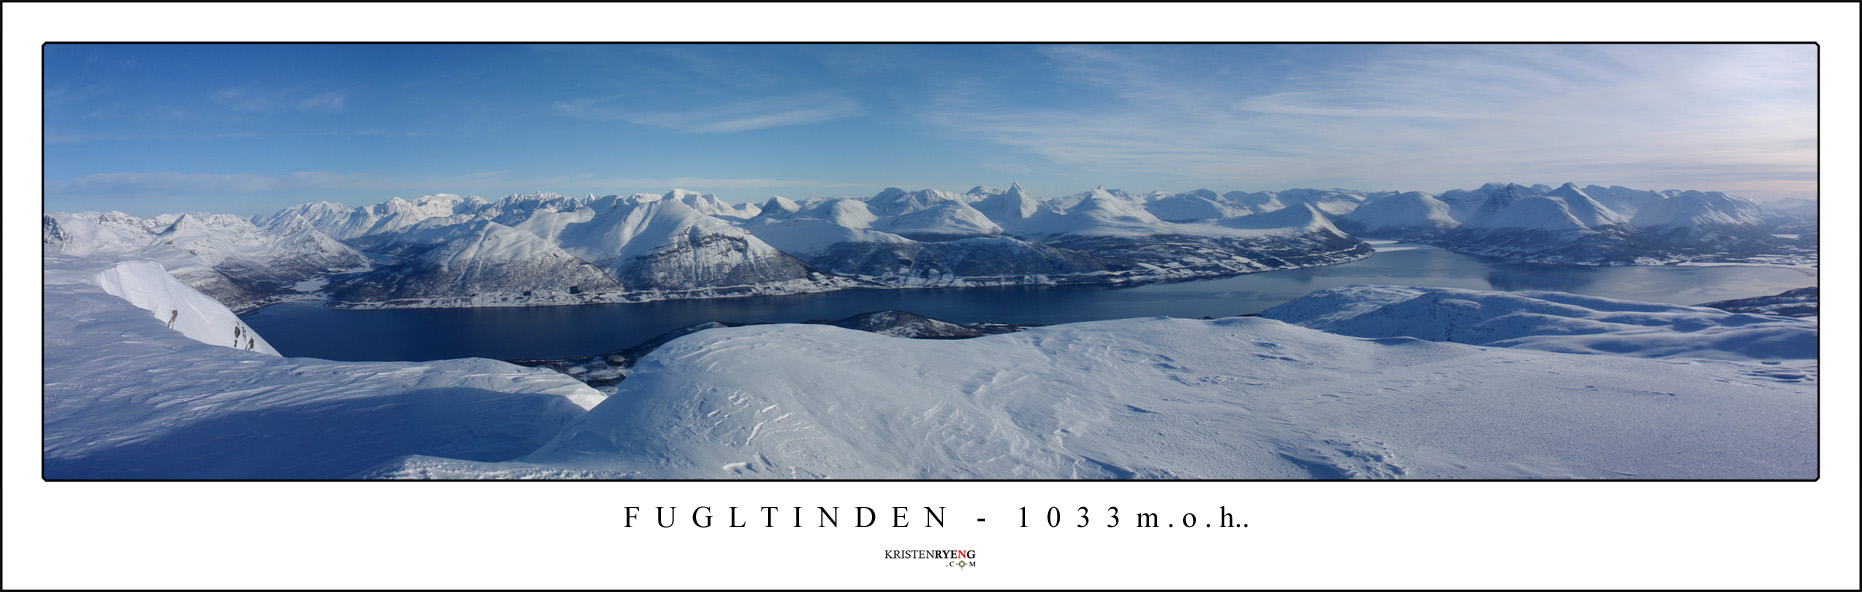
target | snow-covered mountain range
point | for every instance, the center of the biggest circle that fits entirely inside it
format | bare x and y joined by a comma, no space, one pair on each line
1568,224
242,264
452,251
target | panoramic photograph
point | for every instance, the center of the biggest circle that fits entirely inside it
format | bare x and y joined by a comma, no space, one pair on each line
1032,261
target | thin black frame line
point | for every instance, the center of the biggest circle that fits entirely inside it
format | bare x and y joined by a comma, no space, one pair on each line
1817,413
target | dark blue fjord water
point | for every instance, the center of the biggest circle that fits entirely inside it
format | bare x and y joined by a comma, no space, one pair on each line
307,329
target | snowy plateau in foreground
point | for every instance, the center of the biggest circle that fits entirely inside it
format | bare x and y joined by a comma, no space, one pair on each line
146,377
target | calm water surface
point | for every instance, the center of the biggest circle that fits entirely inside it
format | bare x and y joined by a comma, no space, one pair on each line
307,329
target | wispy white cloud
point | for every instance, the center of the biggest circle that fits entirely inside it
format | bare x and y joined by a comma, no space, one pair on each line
1432,118
1313,103
324,102
586,180
242,99
112,186
249,100
739,116
173,184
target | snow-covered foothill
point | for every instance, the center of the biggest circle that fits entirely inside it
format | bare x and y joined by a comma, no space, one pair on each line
804,237
1797,303
1598,225
1795,206
1201,204
1411,214
1551,321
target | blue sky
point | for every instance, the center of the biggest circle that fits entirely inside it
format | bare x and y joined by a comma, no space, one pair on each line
249,129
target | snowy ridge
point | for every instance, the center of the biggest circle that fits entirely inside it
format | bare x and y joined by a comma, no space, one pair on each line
482,260
1201,204
1407,215
1585,210
550,249
181,308
267,260
347,223
665,244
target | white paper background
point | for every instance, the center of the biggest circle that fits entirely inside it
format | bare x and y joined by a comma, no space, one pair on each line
1302,535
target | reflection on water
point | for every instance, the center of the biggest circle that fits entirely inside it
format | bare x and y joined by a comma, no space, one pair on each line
309,330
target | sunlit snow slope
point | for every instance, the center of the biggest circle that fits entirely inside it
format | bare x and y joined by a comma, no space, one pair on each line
1173,398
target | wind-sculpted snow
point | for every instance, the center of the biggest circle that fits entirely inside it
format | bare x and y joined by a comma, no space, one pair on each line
127,397
1169,398
1551,321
